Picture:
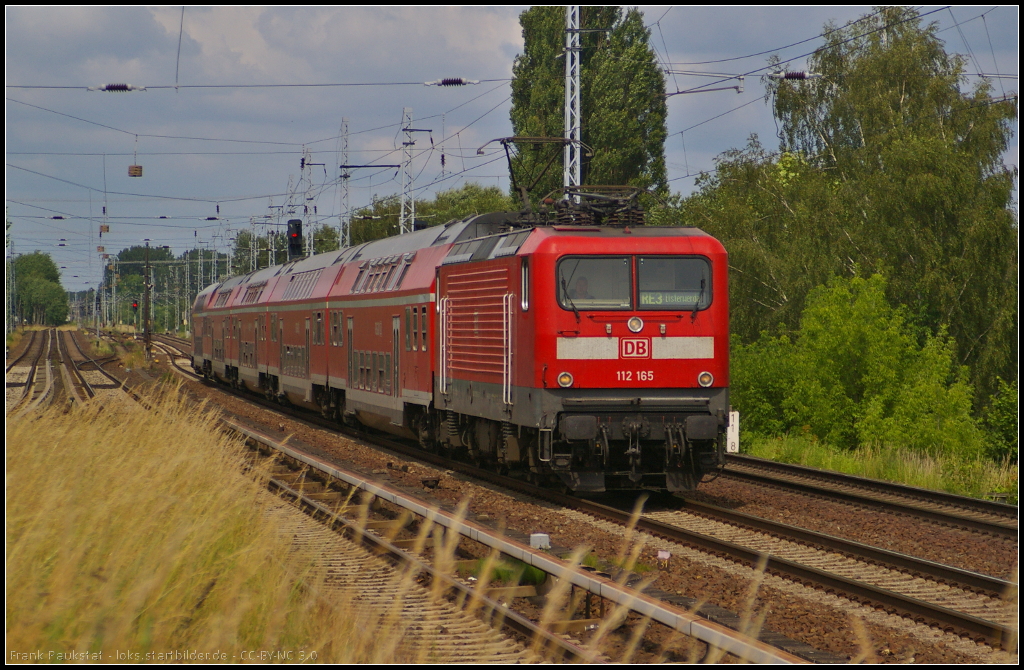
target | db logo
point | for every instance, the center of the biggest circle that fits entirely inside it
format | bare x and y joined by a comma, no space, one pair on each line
635,347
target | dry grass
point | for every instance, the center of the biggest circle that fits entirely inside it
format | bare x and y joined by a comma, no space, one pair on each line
138,531
14,338
119,538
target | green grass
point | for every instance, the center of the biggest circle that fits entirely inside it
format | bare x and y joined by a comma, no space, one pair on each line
975,477
508,571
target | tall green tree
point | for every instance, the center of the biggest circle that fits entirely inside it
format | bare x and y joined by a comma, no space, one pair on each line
380,218
887,164
855,374
931,201
623,109
40,297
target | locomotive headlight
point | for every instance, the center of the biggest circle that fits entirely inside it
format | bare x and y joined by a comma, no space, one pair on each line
565,380
635,324
705,379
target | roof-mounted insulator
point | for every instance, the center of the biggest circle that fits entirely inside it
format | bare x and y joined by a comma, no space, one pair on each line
451,81
800,75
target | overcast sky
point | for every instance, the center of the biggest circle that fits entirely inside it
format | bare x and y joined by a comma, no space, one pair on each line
213,142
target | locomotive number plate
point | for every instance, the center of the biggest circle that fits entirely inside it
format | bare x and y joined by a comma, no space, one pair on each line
634,375
635,347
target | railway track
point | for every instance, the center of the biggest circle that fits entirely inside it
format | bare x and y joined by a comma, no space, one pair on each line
77,389
30,379
950,599
669,611
29,347
941,595
439,624
362,578
994,518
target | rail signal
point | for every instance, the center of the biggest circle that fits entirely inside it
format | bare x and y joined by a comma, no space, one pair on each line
294,238
135,306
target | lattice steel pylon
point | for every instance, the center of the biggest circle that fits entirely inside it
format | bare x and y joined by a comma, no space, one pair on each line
345,218
571,173
407,211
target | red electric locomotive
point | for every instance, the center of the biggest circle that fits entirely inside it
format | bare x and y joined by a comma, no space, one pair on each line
572,344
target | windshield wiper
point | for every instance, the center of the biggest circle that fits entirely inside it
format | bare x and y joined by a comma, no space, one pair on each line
696,305
565,290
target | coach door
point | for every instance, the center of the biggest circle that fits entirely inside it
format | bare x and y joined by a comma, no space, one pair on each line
305,354
396,327
350,382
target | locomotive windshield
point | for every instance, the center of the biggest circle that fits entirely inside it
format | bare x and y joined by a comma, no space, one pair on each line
671,282
606,283
595,283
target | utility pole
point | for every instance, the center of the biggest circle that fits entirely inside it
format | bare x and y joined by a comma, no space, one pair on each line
345,218
571,170
252,245
307,176
113,288
147,337
407,213
188,282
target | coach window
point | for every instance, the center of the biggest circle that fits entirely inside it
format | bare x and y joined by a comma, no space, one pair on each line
273,327
415,328
589,283
408,329
423,327
673,282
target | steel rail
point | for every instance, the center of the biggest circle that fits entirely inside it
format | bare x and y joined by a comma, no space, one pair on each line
601,585
74,366
947,574
116,383
33,403
940,497
557,647
800,652
893,602
857,591
24,352
997,529
65,357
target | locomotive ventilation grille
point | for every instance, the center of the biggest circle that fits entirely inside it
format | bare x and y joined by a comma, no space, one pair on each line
477,326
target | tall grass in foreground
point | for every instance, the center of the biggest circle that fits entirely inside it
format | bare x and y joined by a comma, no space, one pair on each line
137,530
977,477
134,531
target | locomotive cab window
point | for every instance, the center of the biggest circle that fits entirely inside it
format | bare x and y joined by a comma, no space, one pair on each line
595,283
673,282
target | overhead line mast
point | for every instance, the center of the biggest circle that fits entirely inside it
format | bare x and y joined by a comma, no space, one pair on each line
407,211
571,172
345,219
